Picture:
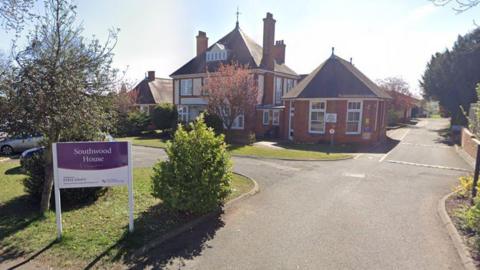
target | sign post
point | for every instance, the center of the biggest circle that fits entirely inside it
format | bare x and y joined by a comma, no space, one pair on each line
92,164
332,132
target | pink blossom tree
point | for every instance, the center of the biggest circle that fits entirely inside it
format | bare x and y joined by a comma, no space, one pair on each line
232,92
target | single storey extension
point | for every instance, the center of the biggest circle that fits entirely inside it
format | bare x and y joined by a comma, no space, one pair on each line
337,100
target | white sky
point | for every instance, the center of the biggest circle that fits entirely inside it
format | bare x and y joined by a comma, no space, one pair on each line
384,37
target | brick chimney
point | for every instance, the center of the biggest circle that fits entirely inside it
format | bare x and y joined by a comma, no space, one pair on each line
202,42
268,39
279,51
151,75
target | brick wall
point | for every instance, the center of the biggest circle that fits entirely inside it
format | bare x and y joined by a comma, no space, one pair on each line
371,129
469,143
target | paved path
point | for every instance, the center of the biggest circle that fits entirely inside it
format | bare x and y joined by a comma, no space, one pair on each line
375,212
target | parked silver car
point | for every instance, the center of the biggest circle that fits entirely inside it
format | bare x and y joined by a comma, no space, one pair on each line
18,144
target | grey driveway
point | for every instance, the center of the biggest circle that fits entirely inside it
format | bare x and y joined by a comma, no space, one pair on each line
377,211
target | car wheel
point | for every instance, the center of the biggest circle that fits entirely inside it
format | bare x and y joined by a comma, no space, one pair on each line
7,150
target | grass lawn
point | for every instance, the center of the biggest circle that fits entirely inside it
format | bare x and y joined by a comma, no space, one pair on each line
292,151
151,141
92,233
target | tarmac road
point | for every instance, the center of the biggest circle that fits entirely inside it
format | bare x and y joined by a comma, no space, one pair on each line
377,211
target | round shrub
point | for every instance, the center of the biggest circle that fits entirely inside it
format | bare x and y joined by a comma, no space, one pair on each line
196,177
34,167
165,116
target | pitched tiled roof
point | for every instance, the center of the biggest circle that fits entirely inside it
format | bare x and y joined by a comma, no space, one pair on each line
241,49
336,78
153,91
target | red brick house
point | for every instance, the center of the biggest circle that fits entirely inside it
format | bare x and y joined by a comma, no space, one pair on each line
402,107
150,92
336,98
286,110
274,78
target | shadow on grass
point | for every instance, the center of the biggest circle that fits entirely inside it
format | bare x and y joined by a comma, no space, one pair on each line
153,224
15,171
13,254
16,215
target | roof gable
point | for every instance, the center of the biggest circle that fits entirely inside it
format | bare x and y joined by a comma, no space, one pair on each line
242,50
336,78
153,92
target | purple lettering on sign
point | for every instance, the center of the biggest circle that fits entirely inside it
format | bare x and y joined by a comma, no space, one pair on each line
92,155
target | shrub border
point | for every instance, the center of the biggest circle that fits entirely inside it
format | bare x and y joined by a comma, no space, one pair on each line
190,225
460,246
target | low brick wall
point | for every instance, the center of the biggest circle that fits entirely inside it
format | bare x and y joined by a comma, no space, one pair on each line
469,143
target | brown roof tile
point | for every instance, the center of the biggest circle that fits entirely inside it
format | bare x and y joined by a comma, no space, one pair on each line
242,50
336,78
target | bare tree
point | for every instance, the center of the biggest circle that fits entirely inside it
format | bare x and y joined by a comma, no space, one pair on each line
395,84
14,13
460,5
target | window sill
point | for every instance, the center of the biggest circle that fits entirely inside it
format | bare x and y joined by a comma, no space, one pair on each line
352,133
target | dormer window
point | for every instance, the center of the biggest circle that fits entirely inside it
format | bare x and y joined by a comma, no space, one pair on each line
217,53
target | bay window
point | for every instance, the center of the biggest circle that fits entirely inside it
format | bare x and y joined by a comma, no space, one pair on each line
317,117
354,116
183,113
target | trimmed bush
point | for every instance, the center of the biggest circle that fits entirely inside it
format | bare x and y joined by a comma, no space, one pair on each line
215,122
34,167
132,123
196,177
165,116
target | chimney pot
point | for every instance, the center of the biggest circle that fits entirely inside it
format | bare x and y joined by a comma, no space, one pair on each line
268,41
202,42
151,75
279,51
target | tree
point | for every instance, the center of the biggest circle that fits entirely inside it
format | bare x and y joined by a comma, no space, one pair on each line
451,76
14,13
395,84
461,5
232,92
59,84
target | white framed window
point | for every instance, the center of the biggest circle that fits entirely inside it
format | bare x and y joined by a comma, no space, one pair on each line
266,117
275,118
183,113
238,123
354,117
317,117
186,87
278,90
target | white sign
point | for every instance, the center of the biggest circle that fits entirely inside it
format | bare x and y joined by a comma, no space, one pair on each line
331,118
92,164
332,131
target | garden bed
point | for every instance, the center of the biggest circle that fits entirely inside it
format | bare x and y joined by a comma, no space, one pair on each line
455,205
